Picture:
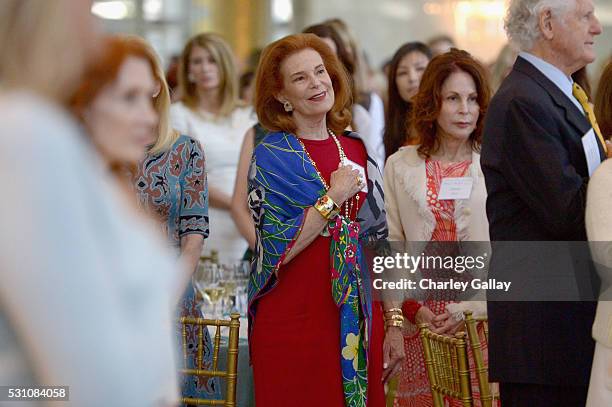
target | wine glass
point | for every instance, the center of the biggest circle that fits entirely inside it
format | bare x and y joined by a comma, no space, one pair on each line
207,279
242,271
228,282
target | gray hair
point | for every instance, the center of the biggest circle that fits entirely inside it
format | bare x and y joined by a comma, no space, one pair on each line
522,19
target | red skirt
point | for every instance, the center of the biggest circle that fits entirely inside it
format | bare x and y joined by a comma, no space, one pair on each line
295,342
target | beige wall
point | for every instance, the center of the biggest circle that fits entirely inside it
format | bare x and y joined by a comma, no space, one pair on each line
382,25
241,22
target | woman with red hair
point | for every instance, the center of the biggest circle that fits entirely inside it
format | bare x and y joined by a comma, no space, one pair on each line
119,105
170,180
316,337
122,103
447,116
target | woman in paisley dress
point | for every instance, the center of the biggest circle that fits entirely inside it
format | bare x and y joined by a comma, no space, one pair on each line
316,198
172,187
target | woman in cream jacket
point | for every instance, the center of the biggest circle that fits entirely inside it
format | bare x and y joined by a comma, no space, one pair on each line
410,220
407,199
447,117
408,215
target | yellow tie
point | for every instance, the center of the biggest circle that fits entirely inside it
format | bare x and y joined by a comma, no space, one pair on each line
582,97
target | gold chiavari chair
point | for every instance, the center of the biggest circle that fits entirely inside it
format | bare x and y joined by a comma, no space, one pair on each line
482,369
447,366
485,325
231,372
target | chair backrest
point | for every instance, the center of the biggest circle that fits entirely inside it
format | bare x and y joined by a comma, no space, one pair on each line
481,367
447,366
485,325
231,372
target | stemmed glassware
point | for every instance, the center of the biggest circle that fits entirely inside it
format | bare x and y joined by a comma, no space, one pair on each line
223,288
228,282
241,271
207,279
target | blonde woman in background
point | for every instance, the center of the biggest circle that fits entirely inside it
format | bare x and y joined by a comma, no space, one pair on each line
75,281
210,112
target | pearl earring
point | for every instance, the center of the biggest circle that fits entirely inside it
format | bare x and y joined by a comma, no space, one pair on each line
287,106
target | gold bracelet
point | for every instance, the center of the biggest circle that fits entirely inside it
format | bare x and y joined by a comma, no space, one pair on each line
397,324
393,310
326,207
394,317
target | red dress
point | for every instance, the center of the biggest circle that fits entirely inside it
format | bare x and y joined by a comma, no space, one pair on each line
295,342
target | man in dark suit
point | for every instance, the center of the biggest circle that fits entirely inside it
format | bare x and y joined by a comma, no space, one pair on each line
539,149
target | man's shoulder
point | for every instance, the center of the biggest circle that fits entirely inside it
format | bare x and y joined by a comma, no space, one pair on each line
519,91
522,88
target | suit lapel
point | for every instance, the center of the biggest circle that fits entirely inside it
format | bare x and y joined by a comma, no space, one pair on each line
573,114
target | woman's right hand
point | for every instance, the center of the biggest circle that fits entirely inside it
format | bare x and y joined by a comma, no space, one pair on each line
344,183
445,324
425,315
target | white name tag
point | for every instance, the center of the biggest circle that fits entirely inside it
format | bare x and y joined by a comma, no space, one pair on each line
362,173
591,151
455,188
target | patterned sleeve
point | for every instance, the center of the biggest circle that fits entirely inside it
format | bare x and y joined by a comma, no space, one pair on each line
193,217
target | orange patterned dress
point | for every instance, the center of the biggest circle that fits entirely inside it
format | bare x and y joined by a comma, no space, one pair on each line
413,387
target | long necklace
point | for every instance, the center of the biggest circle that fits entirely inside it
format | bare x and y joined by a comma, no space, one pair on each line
349,203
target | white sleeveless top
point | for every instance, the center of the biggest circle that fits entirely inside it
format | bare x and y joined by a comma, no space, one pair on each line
221,139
